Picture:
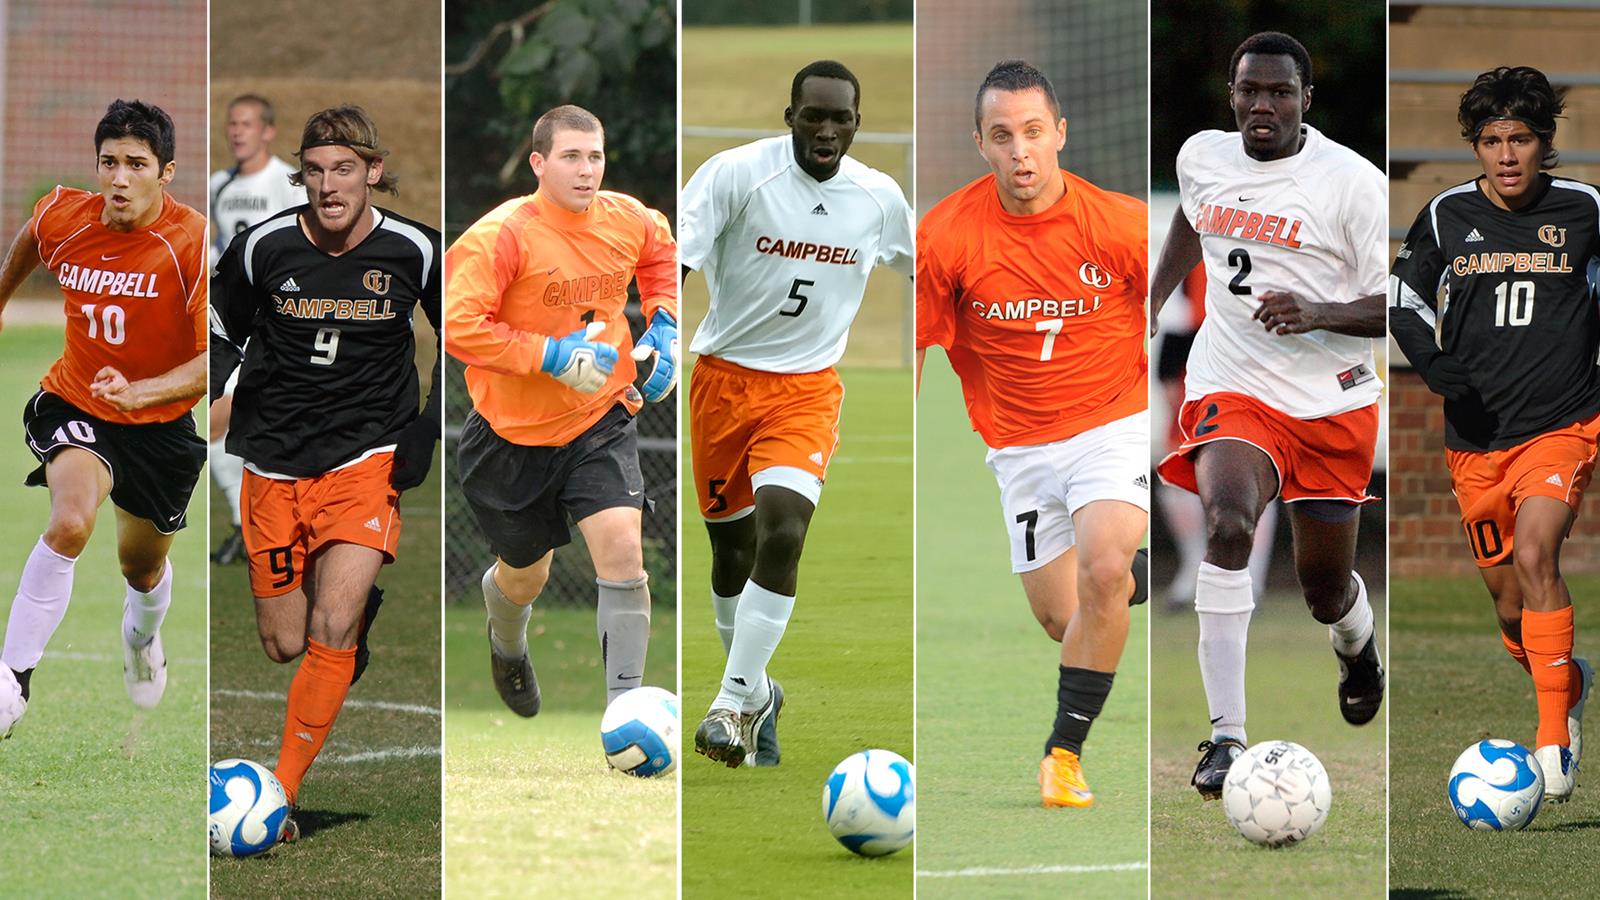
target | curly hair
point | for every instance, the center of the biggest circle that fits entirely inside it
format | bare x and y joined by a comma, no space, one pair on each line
1522,93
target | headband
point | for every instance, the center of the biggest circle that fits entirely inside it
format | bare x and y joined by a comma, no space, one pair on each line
1477,130
337,142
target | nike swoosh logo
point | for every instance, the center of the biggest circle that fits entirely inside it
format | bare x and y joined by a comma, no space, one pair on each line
1216,720
104,258
1078,717
1244,199
629,677
634,493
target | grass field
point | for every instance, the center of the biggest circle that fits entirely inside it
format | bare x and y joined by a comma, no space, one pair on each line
84,768
370,804
1291,680
1455,685
845,664
532,807
986,689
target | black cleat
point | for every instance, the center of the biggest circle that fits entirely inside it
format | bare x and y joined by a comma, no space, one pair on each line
363,653
1214,765
23,678
1360,683
231,550
1141,577
718,738
515,681
763,728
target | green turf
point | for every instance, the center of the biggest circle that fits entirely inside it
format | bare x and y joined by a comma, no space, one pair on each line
1454,684
534,810
1291,683
845,664
986,692
370,804
97,798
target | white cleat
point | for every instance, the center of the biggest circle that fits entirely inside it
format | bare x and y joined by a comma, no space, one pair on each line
144,672
1575,714
1560,774
12,706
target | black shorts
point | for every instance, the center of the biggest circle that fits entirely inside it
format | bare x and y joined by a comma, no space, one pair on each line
522,496
154,467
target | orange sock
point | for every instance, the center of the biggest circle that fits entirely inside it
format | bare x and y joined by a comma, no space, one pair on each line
315,696
1547,638
1516,651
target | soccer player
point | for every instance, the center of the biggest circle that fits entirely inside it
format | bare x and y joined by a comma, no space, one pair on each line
1281,395
325,412
253,188
1033,281
112,415
537,290
786,230
1515,364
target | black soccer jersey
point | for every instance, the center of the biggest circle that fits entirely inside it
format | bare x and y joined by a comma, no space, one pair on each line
329,372
1515,309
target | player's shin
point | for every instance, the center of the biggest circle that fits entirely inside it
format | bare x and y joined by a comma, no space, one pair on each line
1351,631
622,620
40,605
1547,638
763,615
1223,601
315,697
143,612
1080,695
508,621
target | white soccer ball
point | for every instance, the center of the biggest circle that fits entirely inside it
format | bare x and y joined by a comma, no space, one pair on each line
12,706
1277,794
248,808
870,802
1496,785
640,732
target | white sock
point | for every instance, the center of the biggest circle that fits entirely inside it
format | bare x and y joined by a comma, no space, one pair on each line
726,608
142,613
1223,600
508,621
227,471
1350,633
761,619
41,604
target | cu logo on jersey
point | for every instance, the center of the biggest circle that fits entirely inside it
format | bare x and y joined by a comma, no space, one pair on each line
1555,237
1090,274
376,281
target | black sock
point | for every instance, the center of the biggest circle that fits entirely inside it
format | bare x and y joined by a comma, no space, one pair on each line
1141,577
1078,701
22,681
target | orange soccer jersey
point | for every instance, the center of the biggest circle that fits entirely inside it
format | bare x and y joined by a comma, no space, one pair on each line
1042,316
136,300
531,269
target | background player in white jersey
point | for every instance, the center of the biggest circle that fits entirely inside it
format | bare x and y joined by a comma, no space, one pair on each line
786,230
1281,394
253,188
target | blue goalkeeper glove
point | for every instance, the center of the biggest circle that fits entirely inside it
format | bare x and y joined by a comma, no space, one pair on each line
661,338
578,360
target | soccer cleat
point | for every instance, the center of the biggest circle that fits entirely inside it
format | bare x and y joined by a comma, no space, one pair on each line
363,653
718,738
1214,765
13,698
762,734
144,672
1360,683
231,550
1141,577
1560,772
514,679
1575,714
291,828
1061,781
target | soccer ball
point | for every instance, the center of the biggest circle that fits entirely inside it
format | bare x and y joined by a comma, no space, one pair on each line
1496,785
1276,794
870,802
640,732
12,706
248,808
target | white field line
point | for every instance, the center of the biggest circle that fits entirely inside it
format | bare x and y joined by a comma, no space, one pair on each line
988,872
348,704
381,754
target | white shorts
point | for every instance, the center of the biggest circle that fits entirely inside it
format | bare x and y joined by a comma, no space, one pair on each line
1042,485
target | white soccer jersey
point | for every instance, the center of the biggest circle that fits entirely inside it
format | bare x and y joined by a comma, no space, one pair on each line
239,201
786,257
1314,224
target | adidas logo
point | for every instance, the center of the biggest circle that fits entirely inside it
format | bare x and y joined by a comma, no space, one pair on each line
739,681
291,286
1143,481
1474,237
819,210
1555,480
816,457
304,736
373,524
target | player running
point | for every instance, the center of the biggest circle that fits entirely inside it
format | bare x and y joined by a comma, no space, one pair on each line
112,416
537,292
253,188
325,412
786,230
1515,364
1033,281
1281,396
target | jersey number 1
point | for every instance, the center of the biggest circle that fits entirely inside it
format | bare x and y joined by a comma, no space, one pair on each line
1515,298
110,322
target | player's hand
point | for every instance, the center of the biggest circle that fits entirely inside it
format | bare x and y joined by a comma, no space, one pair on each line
113,387
413,453
661,338
1449,378
578,360
1282,312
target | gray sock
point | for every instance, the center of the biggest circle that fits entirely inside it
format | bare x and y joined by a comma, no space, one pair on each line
508,622
622,622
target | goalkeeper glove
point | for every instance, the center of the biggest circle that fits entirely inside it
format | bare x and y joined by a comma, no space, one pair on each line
578,360
661,338
413,452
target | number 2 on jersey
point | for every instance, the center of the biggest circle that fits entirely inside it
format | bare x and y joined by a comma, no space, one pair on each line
1239,258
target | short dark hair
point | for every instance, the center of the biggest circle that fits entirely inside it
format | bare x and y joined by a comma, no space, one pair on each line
346,126
569,117
1516,92
824,68
1014,75
268,116
1273,43
141,121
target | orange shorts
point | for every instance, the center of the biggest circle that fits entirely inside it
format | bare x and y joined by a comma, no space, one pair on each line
286,521
1490,486
1317,459
743,422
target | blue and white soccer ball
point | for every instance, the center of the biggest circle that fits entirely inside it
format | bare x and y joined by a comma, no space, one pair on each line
248,808
12,706
870,802
1277,794
640,732
1496,785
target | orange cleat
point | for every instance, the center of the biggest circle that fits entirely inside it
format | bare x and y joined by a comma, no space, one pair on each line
1061,780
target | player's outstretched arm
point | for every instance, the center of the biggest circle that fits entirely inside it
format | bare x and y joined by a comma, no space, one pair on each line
1283,312
1179,254
20,261
182,382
